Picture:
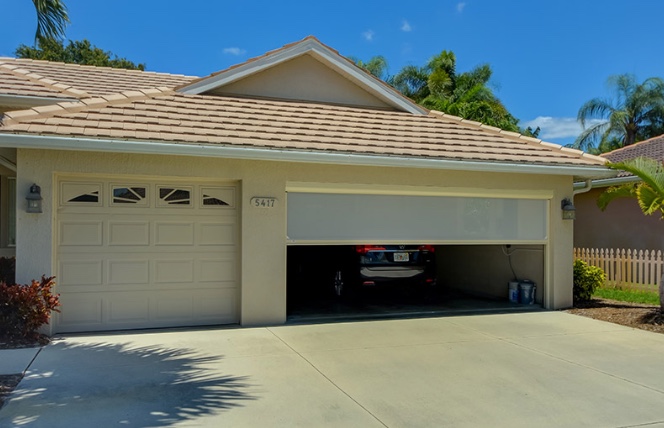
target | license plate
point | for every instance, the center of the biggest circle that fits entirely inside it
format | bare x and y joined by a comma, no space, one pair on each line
400,257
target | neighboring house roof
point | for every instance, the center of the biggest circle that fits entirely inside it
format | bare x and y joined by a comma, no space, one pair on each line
652,148
204,121
45,77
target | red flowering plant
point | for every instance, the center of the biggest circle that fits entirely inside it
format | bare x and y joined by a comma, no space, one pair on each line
25,308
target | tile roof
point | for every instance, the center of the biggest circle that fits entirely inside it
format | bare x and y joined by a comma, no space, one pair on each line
651,148
164,115
45,78
12,84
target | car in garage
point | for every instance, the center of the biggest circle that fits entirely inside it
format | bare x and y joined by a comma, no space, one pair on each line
382,265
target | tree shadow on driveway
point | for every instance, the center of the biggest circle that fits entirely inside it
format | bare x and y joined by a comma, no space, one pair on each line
103,384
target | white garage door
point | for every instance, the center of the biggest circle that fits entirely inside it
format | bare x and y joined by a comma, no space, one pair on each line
367,218
140,254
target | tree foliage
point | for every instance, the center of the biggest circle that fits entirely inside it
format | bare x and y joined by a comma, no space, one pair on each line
377,66
52,19
75,52
437,85
636,113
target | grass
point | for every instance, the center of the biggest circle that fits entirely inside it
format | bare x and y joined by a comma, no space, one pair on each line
632,296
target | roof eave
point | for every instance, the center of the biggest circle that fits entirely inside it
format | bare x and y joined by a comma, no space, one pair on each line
256,153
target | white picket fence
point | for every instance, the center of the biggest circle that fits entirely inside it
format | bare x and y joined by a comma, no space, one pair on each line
626,269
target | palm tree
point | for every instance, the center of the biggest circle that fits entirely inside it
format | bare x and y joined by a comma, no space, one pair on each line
649,193
438,86
636,114
52,19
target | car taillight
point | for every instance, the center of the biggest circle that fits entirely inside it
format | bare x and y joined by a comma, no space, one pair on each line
428,248
363,249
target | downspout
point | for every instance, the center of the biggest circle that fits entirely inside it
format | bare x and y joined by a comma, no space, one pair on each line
586,187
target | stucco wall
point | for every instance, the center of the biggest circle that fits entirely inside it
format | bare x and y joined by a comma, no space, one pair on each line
303,78
622,225
263,253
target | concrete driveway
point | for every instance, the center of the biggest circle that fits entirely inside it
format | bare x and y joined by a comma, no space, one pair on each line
531,369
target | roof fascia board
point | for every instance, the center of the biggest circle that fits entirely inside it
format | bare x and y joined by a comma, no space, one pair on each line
252,153
27,101
333,59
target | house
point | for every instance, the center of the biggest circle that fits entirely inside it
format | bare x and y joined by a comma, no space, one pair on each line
170,200
622,224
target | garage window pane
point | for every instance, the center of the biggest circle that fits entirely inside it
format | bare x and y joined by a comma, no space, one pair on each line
395,218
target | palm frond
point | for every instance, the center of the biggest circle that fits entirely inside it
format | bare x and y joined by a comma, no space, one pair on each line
624,191
649,200
52,19
650,171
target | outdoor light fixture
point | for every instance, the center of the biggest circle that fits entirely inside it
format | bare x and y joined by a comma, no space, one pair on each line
569,212
34,199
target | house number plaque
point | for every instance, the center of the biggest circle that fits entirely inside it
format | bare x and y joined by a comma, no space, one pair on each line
263,202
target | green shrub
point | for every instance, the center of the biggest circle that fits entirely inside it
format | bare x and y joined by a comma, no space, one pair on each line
586,280
25,308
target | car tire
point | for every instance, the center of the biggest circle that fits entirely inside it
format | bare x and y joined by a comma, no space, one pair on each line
338,283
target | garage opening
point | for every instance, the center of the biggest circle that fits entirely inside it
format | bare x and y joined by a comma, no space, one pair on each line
358,255
366,281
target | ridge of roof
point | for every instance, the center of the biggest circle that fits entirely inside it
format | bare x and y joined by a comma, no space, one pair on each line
38,78
530,140
19,116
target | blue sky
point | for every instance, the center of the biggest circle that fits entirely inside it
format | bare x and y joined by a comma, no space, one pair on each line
548,57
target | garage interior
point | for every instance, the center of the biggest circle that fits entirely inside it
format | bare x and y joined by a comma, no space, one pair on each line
469,279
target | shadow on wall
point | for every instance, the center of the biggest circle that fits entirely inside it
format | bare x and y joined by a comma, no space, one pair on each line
115,385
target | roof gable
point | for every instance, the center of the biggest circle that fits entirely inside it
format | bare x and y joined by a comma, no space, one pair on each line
304,71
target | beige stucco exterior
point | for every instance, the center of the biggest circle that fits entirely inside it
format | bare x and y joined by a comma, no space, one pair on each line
263,231
303,78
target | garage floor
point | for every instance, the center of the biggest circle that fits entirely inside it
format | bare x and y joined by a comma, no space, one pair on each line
382,304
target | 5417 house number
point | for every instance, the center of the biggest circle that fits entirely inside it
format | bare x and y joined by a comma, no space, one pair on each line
262,202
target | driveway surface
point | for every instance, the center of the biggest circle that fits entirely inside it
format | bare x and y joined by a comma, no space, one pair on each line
543,369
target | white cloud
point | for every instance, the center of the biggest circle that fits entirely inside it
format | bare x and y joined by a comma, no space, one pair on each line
461,6
234,51
368,35
406,26
558,127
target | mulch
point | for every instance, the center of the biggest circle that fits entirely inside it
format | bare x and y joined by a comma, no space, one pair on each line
635,315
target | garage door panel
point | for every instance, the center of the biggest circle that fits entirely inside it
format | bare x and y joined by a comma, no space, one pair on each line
217,270
361,218
81,272
129,233
224,301
88,313
174,271
128,272
81,233
216,234
123,308
174,233
173,305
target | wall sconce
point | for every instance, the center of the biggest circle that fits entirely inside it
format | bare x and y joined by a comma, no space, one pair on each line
34,199
569,211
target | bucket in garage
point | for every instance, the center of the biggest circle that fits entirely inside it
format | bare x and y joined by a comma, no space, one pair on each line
527,292
513,291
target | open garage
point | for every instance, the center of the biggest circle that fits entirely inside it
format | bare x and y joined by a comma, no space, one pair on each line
407,254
